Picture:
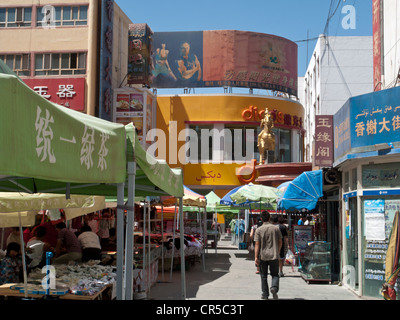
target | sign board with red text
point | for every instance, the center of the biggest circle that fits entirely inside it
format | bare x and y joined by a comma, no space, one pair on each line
68,92
324,140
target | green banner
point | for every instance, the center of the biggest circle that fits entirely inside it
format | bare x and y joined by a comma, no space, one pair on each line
157,171
47,141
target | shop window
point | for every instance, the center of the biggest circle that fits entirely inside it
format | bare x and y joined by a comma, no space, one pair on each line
241,143
60,64
346,182
62,16
381,175
15,17
19,63
354,179
200,144
283,145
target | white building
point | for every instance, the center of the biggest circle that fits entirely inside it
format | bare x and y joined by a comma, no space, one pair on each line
390,57
340,67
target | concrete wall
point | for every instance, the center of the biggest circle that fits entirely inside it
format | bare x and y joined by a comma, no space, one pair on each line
391,43
340,67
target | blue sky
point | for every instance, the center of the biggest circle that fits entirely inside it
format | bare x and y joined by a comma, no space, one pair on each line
291,19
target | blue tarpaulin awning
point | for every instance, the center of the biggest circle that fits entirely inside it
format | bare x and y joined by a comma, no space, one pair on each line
303,192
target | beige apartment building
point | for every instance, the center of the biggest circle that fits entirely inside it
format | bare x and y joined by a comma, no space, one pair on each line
71,52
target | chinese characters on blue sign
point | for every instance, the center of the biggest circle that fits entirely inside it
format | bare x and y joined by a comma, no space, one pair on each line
367,120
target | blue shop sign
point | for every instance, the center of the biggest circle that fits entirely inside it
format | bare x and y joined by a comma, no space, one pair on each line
391,192
367,120
375,118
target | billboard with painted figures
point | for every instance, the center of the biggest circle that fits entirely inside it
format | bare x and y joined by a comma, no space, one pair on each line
224,58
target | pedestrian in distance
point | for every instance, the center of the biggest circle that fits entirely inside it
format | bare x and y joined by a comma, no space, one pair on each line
268,243
252,234
278,221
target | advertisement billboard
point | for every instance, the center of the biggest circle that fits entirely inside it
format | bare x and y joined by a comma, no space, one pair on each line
136,106
139,60
377,45
224,58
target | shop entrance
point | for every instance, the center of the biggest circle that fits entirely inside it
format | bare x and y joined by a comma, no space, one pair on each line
333,236
350,270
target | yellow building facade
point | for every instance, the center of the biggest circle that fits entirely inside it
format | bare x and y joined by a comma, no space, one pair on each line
226,158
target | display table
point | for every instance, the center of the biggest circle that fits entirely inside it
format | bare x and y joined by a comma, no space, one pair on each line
88,281
6,292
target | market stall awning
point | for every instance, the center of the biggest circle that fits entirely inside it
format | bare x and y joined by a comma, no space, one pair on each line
47,141
190,198
151,171
48,148
256,196
303,192
28,205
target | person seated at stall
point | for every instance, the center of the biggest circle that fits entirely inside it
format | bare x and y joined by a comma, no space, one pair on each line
68,247
37,247
14,236
11,270
90,244
110,244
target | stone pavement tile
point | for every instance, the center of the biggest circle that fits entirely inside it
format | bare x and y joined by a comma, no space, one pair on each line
230,275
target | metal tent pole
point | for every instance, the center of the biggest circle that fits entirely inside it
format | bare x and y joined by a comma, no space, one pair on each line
182,250
129,232
120,240
162,242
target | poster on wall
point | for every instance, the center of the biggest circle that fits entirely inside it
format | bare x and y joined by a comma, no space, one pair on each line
348,220
134,106
391,207
301,236
374,217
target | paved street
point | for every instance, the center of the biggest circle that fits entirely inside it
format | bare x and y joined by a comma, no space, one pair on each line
230,274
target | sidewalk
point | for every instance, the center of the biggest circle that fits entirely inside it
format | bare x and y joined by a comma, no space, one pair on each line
230,274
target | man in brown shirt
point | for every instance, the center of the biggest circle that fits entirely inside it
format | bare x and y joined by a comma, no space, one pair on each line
268,243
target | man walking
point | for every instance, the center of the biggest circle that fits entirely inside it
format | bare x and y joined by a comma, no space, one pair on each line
268,243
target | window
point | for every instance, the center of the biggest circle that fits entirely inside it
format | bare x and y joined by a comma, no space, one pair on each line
346,181
201,144
283,144
19,63
15,17
62,16
354,179
60,63
240,143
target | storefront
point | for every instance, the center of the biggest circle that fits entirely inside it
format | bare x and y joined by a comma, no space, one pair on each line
214,137
367,141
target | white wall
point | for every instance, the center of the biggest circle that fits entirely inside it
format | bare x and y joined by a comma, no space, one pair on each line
391,42
340,68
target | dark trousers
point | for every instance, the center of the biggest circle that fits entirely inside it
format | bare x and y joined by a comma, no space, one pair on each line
273,266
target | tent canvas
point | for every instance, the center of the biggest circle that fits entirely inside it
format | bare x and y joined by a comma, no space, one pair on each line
12,203
190,198
256,196
48,148
303,192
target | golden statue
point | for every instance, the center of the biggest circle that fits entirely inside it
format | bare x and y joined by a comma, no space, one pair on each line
266,138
